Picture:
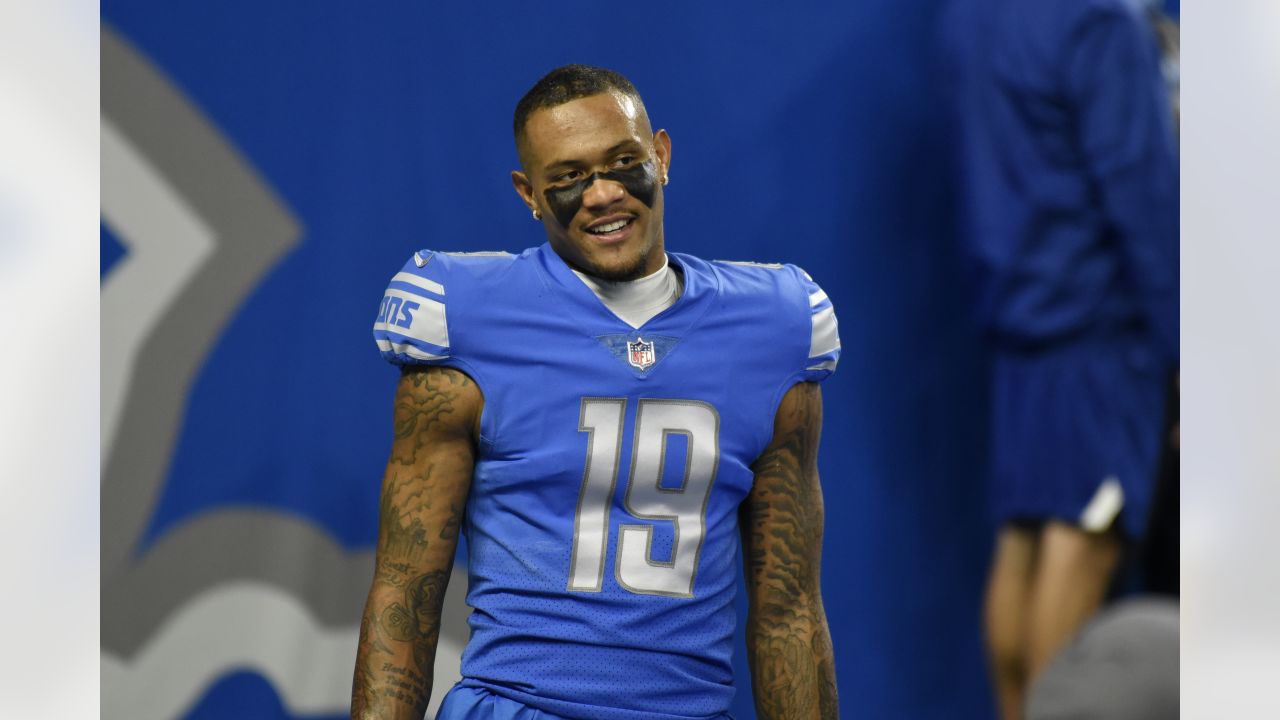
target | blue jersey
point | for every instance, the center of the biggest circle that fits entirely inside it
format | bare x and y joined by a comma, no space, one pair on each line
1070,175
602,524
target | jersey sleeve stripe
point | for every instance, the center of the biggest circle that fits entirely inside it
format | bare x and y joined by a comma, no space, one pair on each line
387,345
825,365
418,282
413,316
817,298
825,338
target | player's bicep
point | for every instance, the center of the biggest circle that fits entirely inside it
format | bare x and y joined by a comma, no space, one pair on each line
437,410
428,475
782,516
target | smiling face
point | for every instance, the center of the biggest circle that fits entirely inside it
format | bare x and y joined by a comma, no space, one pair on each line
594,172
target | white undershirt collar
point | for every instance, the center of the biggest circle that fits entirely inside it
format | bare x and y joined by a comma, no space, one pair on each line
635,302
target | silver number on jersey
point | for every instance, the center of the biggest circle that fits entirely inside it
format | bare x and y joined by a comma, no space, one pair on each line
602,419
684,507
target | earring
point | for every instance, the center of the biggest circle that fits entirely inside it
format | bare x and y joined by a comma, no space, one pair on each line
665,179
537,215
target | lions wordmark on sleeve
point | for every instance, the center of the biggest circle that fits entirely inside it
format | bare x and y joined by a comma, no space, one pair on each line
411,325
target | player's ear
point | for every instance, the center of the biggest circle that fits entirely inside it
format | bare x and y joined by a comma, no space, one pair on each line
524,189
662,148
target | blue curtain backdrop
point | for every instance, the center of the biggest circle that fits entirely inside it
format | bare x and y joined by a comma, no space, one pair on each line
809,133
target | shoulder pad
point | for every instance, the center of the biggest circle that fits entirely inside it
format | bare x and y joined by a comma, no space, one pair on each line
820,315
411,327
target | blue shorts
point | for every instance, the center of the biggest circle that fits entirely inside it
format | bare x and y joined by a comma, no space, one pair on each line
1077,434
473,703
467,702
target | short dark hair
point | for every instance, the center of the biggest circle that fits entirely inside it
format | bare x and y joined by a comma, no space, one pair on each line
565,83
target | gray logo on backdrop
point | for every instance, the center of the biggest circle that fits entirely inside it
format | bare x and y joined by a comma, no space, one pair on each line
252,230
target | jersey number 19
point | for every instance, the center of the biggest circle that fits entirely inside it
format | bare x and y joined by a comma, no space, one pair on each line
684,507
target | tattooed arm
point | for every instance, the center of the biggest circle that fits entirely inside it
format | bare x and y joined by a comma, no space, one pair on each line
424,492
788,643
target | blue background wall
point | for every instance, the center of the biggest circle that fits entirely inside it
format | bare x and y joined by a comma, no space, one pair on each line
810,134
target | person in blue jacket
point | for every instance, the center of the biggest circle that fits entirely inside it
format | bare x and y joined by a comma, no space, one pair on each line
611,425
1070,194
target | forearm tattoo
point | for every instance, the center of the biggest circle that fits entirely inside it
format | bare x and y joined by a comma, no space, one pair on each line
793,667
401,623
386,686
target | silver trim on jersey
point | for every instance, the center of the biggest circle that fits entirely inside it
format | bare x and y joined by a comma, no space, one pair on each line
825,337
685,507
430,286
602,419
751,263
825,365
386,345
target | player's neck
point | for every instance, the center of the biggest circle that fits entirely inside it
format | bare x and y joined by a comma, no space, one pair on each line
636,301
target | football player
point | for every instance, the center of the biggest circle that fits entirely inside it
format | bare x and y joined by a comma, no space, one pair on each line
610,425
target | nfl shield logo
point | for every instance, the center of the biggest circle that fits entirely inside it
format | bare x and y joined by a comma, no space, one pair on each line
640,353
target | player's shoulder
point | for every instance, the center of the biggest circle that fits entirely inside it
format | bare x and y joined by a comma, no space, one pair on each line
1028,43
785,298
1047,13
752,280
430,297
457,275
463,267
1057,25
